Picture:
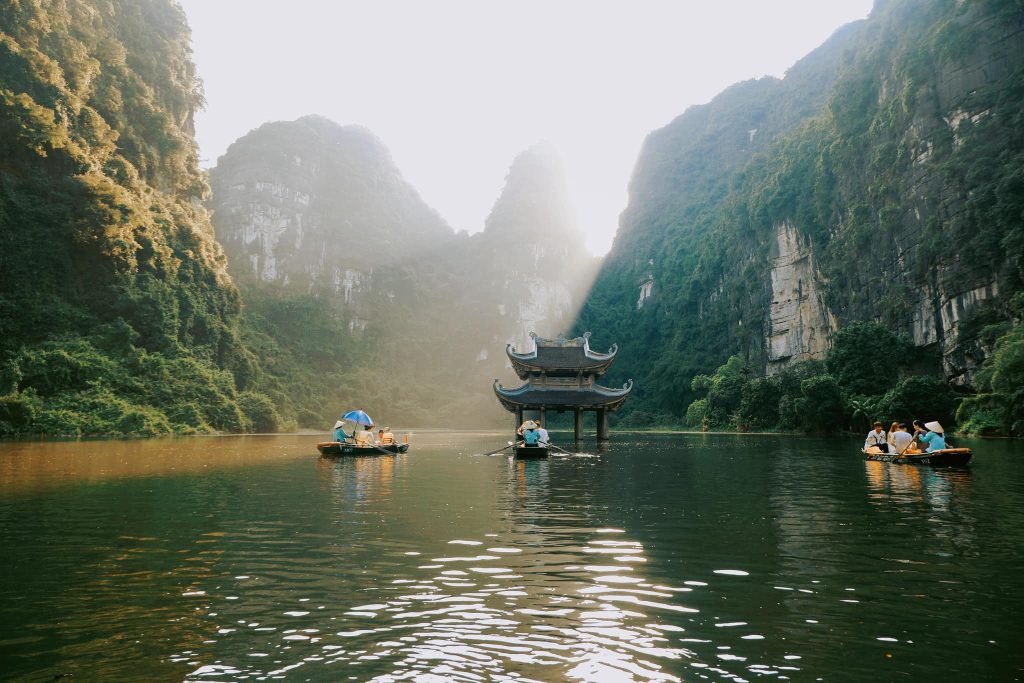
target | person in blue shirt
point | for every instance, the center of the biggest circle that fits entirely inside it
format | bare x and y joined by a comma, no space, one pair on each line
933,436
339,432
528,430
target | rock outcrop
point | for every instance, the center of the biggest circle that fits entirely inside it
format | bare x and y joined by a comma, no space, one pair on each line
799,322
878,181
311,208
315,206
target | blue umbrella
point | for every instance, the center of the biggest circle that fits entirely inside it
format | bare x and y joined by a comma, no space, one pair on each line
357,416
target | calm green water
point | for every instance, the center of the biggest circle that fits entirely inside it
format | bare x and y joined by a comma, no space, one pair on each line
719,557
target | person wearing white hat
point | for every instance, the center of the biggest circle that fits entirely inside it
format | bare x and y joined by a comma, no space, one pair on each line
934,436
528,430
339,432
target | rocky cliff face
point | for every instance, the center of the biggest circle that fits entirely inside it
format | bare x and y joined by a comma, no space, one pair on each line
879,181
799,321
946,82
314,209
541,270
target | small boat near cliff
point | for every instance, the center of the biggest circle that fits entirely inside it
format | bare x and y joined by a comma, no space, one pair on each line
340,448
946,457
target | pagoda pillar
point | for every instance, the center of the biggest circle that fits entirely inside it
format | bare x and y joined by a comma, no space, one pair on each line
577,423
544,417
519,420
602,424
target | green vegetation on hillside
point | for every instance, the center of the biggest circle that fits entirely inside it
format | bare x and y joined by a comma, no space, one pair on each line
116,314
905,181
998,406
867,376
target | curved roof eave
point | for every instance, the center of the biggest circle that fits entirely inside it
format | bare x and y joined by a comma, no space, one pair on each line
529,396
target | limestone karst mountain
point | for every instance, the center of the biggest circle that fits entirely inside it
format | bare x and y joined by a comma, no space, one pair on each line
116,314
316,206
876,182
318,223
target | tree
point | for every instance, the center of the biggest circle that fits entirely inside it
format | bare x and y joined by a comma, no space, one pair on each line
858,352
820,405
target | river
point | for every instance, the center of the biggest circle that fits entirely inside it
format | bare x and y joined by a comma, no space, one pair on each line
658,557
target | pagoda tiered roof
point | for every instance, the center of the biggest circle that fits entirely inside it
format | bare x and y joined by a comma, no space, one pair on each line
561,395
560,357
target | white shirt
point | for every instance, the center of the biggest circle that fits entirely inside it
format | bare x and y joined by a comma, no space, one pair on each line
900,439
875,439
543,436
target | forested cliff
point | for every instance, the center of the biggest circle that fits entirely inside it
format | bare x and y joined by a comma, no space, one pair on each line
811,251
116,312
118,309
878,183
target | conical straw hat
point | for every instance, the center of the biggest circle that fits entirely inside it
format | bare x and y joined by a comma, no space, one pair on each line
338,424
935,427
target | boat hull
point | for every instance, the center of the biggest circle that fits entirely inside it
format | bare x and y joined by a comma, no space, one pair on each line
337,448
947,457
531,451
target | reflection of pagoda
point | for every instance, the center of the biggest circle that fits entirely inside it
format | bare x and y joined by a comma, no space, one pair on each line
559,376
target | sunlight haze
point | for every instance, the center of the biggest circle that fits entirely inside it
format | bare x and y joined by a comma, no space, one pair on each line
457,89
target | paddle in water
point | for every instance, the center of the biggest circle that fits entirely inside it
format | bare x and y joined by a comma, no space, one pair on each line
500,449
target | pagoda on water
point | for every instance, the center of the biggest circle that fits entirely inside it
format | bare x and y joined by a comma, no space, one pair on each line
560,376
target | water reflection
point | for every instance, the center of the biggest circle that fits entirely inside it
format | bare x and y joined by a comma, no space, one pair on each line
660,559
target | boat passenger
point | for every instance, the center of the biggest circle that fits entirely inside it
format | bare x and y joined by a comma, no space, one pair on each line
365,436
899,439
893,428
531,436
934,437
543,434
385,437
339,432
877,437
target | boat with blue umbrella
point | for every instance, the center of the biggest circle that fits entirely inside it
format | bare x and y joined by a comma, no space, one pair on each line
359,442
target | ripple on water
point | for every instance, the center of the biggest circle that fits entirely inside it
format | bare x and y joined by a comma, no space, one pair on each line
573,620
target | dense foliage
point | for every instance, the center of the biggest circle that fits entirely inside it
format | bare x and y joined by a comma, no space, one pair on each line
894,152
116,313
867,376
998,407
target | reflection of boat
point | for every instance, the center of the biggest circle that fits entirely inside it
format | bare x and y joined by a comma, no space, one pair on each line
530,451
946,457
339,448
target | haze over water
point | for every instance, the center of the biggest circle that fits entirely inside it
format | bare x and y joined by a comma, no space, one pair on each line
684,557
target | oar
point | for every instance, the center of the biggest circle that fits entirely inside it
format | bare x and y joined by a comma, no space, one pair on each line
500,449
551,445
382,450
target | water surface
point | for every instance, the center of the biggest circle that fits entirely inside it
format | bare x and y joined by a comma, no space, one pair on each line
658,558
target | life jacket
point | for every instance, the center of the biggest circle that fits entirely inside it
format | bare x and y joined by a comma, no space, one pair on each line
387,438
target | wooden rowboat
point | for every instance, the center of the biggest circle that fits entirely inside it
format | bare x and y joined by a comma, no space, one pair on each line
339,448
946,457
530,451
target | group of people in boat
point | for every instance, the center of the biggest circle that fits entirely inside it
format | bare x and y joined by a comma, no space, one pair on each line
926,438
364,436
533,434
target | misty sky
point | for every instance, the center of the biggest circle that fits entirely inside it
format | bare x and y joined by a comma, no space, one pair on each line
457,88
